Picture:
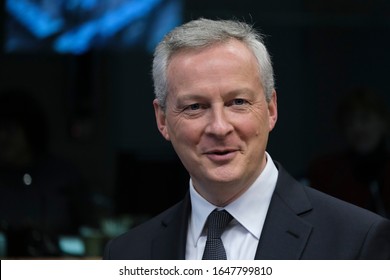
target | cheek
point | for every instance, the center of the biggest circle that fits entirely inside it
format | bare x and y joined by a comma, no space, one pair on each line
249,130
258,125
184,132
259,118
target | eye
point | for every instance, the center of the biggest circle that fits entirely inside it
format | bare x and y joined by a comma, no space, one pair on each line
194,110
193,107
239,101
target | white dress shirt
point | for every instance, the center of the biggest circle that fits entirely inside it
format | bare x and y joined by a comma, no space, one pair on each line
242,235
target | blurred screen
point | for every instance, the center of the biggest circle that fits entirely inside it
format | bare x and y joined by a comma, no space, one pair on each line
79,26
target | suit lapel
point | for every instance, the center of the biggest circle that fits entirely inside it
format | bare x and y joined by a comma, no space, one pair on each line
171,242
285,233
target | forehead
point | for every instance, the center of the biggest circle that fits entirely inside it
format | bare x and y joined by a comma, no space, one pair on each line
229,56
232,45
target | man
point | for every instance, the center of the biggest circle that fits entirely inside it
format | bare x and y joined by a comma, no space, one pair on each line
216,103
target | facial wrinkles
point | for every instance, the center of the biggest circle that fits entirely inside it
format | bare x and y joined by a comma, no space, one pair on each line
260,111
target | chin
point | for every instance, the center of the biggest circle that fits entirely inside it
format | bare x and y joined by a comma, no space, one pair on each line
223,176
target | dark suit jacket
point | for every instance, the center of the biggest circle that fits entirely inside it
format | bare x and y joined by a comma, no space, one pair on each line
301,223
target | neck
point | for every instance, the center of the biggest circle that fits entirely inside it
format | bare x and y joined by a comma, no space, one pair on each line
221,195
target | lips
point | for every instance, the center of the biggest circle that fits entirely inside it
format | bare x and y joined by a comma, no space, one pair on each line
221,155
220,152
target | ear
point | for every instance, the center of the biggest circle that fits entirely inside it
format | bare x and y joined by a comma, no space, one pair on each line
160,119
272,111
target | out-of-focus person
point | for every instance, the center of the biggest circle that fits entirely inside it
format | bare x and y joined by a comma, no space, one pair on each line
41,196
360,173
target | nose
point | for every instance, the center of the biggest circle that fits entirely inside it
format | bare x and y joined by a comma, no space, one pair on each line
219,123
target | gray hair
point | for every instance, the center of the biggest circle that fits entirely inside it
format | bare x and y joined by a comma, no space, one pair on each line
202,33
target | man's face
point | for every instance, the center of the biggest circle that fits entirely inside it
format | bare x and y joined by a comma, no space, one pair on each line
217,117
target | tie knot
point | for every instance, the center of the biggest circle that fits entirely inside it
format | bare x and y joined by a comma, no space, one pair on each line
217,222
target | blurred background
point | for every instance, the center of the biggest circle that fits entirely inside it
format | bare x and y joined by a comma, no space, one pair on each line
81,159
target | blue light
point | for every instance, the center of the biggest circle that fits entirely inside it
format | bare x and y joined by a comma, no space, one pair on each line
38,21
77,26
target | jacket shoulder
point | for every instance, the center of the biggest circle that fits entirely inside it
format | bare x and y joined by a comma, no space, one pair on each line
338,229
136,243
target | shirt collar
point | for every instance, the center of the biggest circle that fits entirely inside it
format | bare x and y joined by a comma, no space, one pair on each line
249,209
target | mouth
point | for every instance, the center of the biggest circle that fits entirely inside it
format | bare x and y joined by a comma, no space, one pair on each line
220,152
221,155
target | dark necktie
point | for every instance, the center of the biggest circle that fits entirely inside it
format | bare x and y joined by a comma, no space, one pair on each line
216,224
